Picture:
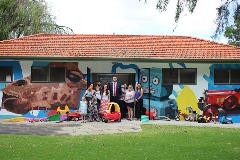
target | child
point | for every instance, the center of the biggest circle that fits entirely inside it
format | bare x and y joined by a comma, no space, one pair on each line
83,109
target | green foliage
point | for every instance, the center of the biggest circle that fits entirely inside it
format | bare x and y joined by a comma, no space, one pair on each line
181,5
26,17
233,32
155,142
223,12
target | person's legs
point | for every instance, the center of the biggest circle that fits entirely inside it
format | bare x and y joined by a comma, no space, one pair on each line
137,110
131,113
128,108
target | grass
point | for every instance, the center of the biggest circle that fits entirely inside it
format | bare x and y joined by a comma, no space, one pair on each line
155,142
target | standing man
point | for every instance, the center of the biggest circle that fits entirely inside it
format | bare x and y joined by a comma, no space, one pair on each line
114,90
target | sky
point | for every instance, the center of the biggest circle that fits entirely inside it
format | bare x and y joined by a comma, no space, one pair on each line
134,17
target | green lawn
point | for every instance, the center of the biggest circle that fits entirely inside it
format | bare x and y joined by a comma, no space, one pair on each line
155,142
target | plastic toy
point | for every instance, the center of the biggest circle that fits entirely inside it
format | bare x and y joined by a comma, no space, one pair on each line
225,120
192,116
152,115
203,119
16,119
63,117
63,111
144,118
55,117
112,113
37,119
75,116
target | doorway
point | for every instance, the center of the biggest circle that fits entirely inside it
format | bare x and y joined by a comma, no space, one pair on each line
105,78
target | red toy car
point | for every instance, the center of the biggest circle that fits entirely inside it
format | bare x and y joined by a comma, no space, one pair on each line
74,116
112,113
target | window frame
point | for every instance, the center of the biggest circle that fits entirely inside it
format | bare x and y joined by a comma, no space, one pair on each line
40,81
48,75
11,68
179,76
57,81
229,77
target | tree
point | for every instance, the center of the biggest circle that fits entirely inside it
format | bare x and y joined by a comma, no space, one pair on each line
233,32
223,12
25,17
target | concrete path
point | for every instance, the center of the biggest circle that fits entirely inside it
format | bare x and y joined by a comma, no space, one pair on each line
68,128
187,123
92,128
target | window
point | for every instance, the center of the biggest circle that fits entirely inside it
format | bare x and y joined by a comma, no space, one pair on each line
39,74
6,74
235,76
179,76
46,74
227,76
187,76
170,76
57,74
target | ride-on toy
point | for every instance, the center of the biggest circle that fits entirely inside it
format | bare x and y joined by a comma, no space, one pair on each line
74,116
112,113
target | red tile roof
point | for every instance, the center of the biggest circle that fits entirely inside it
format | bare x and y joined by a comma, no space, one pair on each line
117,46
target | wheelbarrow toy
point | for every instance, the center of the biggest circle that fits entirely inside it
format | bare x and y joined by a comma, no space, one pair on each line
112,113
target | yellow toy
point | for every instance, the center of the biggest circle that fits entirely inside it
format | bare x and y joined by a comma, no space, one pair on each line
63,111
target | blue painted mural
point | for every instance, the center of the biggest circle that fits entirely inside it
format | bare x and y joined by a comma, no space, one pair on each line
24,98
160,103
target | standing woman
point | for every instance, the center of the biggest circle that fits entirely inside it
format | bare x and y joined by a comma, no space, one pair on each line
129,99
89,94
98,94
139,100
105,98
121,101
105,94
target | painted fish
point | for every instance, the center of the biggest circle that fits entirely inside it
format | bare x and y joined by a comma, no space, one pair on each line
23,95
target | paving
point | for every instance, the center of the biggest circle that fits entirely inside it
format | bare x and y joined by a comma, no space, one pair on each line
68,128
196,124
92,128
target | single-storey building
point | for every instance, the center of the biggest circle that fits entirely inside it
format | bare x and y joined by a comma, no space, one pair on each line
41,71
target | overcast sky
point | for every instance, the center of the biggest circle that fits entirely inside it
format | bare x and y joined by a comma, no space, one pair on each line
133,17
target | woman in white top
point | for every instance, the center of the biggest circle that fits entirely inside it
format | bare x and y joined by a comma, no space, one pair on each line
129,99
98,94
105,94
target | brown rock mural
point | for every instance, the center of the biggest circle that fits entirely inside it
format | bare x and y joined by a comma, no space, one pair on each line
22,95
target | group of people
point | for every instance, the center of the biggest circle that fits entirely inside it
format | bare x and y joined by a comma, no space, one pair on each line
129,100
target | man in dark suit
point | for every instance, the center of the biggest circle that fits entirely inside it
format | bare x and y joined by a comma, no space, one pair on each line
114,88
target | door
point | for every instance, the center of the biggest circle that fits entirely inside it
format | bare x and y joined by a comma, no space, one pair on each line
144,75
89,80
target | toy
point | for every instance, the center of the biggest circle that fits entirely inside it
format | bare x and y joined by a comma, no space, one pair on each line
225,120
112,113
65,110
144,118
55,117
152,114
192,116
37,119
228,100
16,119
203,119
74,116
63,117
